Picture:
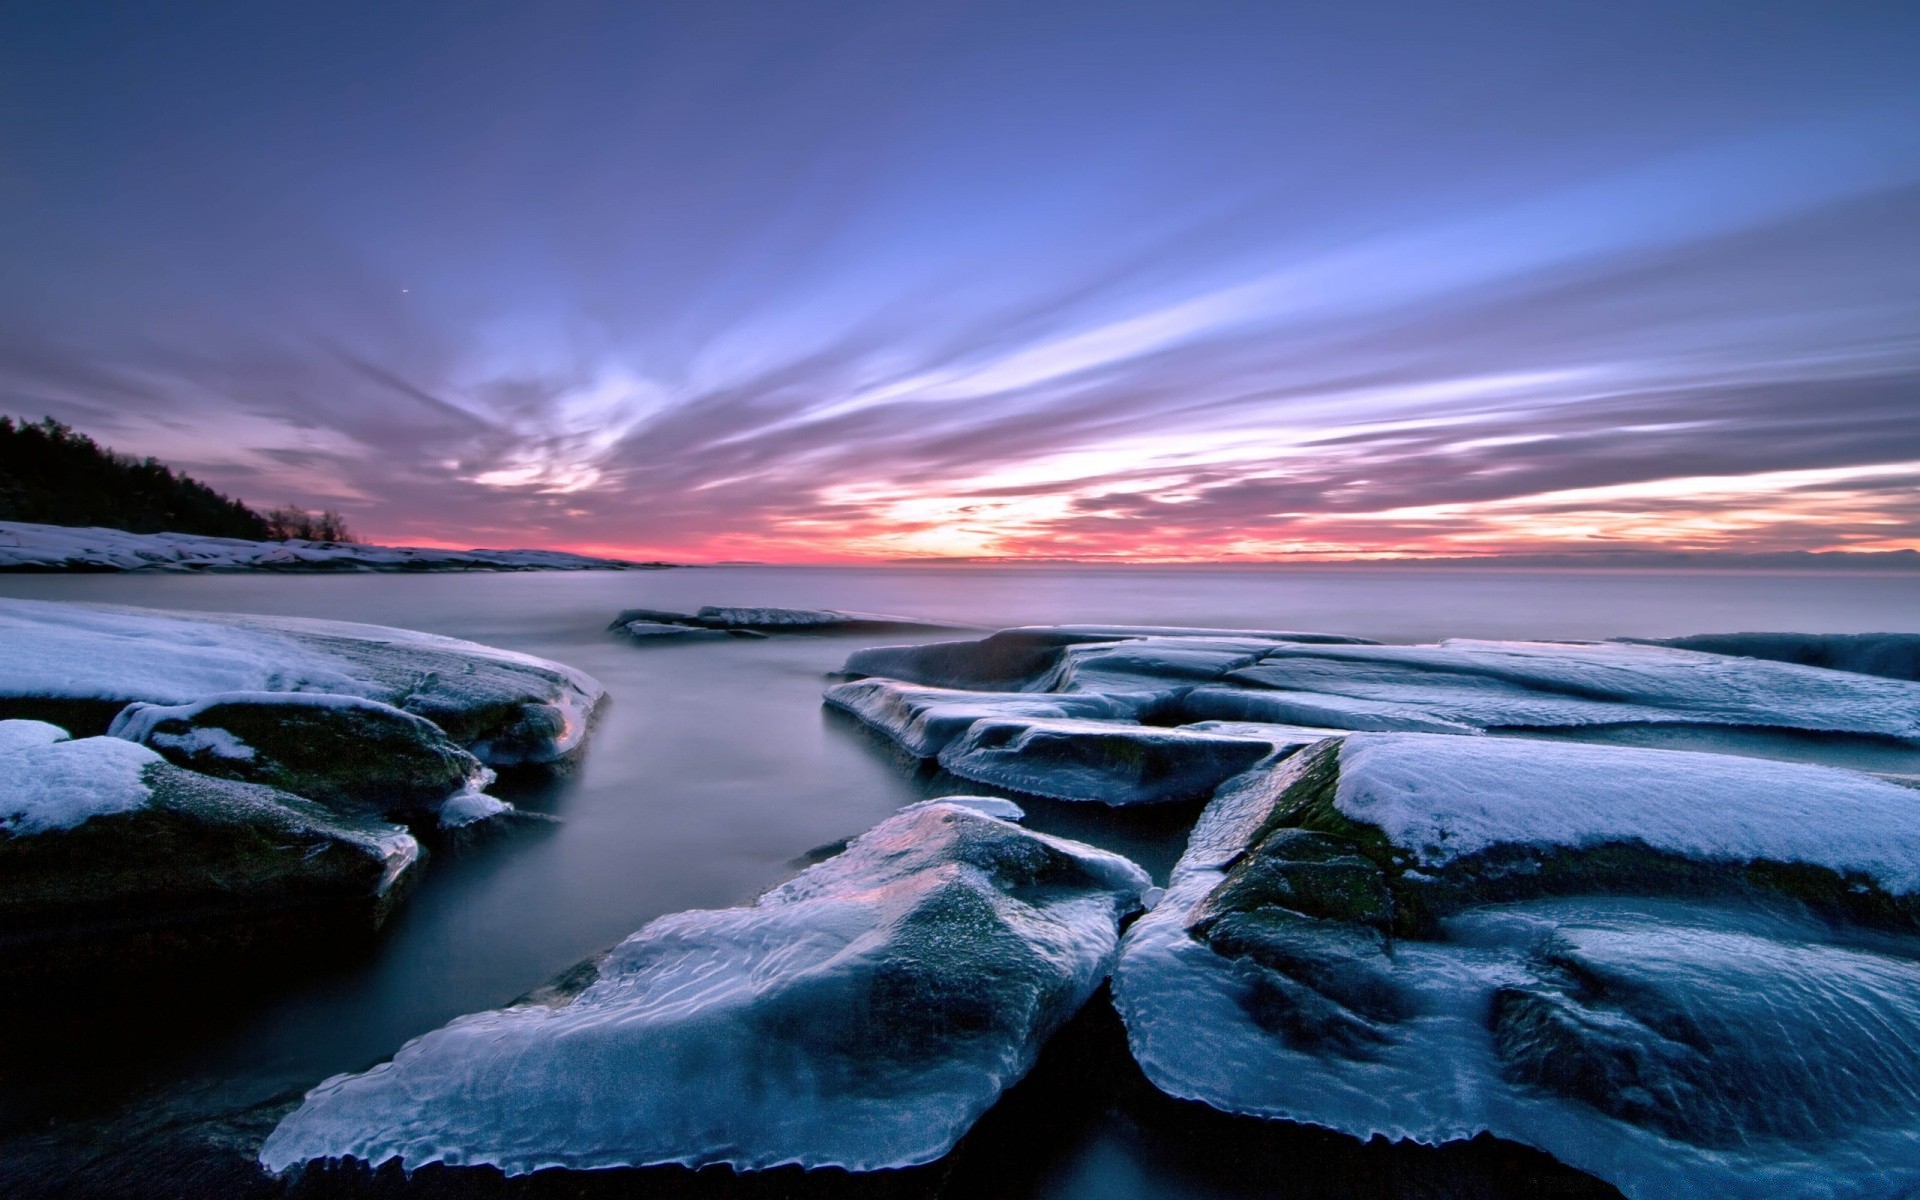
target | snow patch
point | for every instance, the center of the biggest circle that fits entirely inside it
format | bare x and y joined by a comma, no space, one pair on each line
61,785
1447,797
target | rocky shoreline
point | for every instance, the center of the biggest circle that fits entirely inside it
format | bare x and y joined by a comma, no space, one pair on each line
1412,912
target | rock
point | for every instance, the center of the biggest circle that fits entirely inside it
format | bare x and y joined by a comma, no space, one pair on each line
650,633
1103,761
650,623
114,861
862,1015
1891,655
923,720
357,757
1021,659
1690,974
80,664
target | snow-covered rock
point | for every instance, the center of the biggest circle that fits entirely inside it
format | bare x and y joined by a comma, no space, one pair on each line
113,859
923,720
1688,974
354,755
1022,659
1893,655
30,547
23,735
1557,685
79,664
862,1015
1102,761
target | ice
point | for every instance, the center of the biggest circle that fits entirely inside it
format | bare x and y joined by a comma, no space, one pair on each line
24,735
1102,761
1545,685
1744,1044
505,707
923,720
471,808
862,1015
30,547
1148,663
63,784
1893,655
1312,708
1446,798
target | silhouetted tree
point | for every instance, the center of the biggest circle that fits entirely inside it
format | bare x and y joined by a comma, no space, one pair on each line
290,521
51,475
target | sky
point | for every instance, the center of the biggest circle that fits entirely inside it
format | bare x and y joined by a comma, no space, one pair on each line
827,281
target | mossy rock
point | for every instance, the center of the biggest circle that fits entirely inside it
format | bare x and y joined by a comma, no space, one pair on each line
357,757
1418,896
207,868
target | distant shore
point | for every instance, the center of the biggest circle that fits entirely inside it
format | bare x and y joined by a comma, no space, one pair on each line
30,548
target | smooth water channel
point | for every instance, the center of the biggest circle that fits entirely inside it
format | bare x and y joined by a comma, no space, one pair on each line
715,767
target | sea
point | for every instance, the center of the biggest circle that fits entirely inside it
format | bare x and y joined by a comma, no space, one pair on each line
715,771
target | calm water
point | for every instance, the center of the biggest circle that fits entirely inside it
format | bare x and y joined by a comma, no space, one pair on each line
715,766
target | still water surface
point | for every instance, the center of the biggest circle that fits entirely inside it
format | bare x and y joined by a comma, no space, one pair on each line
715,767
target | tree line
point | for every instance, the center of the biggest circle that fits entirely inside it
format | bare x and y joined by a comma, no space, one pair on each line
52,475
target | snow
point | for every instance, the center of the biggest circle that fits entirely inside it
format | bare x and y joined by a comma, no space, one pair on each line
30,547
114,653
862,1015
24,735
470,808
1551,684
63,784
924,720
1448,797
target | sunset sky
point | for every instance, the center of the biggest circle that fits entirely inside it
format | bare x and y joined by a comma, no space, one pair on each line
826,280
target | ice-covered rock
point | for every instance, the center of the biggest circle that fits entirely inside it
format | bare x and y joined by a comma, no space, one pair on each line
1689,974
1103,761
471,808
353,755
1143,664
29,547
79,664
862,1015
113,859
1543,685
653,624
923,720
1022,659
1892,655
1312,708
